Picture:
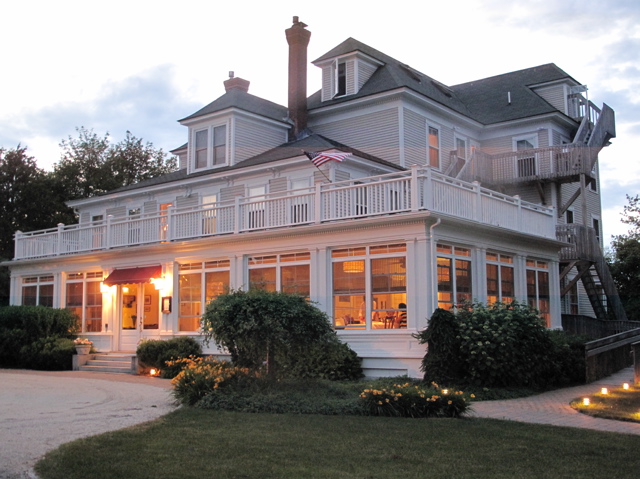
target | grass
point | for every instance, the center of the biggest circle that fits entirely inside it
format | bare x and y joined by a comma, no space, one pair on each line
196,443
619,404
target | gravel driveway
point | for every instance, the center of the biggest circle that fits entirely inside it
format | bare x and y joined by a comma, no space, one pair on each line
41,410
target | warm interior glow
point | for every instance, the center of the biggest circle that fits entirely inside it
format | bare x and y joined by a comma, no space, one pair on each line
586,401
604,391
353,266
625,386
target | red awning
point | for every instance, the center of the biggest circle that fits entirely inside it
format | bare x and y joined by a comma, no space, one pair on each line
133,275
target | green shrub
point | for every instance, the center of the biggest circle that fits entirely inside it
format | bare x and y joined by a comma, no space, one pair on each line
502,345
326,359
49,354
199,377
279,329
442,363
29,337
155,353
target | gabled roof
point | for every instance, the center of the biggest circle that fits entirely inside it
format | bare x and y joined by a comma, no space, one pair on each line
390,76
244,101
482,100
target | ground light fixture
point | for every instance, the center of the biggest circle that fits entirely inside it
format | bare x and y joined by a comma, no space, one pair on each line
625,386
586,401
604,391
153,372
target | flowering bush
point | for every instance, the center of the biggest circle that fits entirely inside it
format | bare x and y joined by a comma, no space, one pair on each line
82,342
200,377
407,400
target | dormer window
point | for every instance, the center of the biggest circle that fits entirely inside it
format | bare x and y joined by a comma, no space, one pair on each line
341,79
210,147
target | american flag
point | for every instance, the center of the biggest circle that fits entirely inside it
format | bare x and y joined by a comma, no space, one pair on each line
319,158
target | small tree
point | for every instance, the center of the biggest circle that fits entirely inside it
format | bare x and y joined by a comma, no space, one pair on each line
441,364
258,327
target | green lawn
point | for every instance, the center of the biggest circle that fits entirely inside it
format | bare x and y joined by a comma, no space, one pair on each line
619,404
194,443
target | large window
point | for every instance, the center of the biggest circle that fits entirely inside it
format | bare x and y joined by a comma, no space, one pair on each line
500,282
37,291
454,275
220,145
199,284
288,273
370,287
84,298
538,288
217,146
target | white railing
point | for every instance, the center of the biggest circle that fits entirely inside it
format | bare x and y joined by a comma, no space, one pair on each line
418,189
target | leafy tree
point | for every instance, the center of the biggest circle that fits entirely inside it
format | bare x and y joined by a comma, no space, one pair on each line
91,165
262,326
624,260
29,200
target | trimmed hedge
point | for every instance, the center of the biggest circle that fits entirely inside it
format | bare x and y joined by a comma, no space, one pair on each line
37,337
154,353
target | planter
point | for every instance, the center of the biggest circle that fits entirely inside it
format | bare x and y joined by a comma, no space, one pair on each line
83,348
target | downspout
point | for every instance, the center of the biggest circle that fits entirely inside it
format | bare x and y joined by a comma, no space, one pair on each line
434,272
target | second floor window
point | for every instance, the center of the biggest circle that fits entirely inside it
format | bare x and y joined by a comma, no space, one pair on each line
202,138
220,145
434,147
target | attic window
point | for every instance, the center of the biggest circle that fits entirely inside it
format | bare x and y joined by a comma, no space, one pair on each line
341,79
443,88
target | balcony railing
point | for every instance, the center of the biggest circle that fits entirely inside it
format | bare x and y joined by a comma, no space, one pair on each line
410,191
561,163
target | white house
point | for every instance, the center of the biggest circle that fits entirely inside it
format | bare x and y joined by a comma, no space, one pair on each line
482,191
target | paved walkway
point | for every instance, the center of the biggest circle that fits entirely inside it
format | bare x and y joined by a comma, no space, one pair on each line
553,407
40,410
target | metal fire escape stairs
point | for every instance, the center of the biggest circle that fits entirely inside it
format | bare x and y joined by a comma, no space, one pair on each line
585,253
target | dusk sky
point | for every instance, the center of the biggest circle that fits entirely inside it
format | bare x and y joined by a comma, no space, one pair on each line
142,65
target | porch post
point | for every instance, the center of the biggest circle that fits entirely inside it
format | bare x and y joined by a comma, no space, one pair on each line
59,242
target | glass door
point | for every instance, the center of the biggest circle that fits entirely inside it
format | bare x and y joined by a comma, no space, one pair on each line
139,314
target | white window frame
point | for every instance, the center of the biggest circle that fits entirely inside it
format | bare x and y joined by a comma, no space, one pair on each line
437,148
209,162
279,261
85,278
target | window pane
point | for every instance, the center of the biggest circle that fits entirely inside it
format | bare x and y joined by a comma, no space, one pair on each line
46,295
190,298
216,283
262,278
295,279
201,148
507,284
463,281
493,294
445,283
219,145
93,309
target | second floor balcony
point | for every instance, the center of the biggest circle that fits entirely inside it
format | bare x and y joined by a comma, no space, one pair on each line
420,189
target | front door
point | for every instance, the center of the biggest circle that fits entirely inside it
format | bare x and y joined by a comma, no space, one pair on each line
139,314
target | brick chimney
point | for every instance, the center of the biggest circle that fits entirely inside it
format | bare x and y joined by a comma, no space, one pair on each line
236,83
298,40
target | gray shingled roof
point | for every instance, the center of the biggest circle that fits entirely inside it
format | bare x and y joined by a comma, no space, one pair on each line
486,99
483,100
244,101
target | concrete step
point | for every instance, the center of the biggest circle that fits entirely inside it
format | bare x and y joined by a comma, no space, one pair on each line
109,363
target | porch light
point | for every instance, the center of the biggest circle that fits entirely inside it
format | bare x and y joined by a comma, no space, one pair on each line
445,391
353,266
159,283
625,386
105,288
586,401
604,391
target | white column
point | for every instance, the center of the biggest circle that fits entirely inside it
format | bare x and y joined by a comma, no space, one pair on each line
555,301
420,289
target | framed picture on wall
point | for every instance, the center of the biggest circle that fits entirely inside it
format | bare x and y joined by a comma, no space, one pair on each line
147,299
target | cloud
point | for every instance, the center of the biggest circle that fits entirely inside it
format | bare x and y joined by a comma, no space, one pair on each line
148,104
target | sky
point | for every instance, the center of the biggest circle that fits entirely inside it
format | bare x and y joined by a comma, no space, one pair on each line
141,65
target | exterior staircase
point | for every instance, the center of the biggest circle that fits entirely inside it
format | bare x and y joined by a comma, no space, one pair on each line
109,363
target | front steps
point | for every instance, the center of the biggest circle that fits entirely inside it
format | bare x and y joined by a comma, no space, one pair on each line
106,363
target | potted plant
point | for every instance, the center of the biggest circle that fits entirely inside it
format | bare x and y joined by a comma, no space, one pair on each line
83,345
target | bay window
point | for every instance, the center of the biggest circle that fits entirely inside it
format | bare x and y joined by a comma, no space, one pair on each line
370,287
37,291
84,298
538,288
500,278
199,283
454,275
289,273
